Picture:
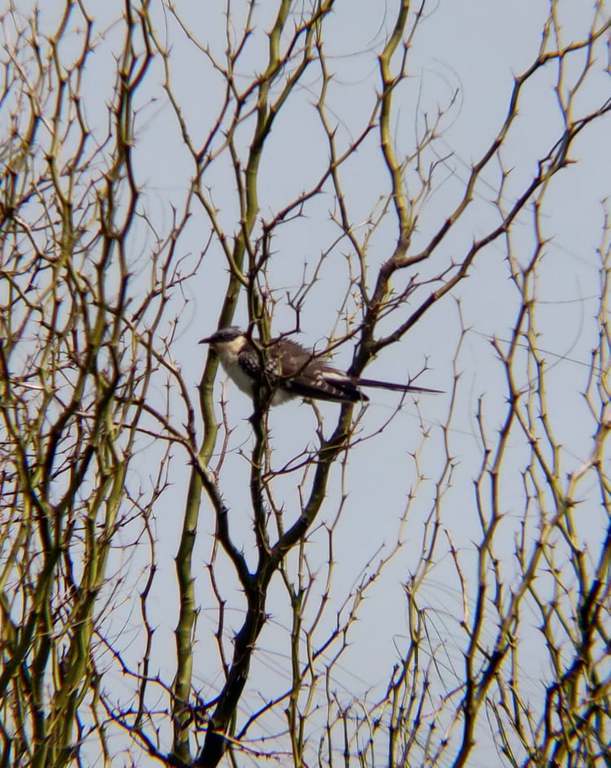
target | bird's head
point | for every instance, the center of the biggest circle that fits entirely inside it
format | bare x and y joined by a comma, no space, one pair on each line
223,335
231,339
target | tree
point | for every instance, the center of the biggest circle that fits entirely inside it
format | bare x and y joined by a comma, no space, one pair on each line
157,158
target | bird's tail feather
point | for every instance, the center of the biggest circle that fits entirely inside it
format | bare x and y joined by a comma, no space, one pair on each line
395,387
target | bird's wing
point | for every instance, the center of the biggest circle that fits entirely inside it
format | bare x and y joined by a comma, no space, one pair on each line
322,389
308,375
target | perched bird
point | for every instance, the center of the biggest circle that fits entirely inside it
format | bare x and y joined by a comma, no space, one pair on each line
290,370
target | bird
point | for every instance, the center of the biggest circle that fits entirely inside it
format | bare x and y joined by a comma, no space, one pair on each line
290,370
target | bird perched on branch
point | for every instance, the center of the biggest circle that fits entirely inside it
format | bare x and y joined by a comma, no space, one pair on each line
290,370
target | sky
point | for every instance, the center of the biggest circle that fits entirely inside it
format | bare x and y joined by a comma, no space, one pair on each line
463,61
475,48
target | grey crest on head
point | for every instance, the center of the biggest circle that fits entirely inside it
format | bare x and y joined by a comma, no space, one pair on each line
229,333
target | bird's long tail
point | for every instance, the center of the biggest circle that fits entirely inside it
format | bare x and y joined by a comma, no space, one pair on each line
395,387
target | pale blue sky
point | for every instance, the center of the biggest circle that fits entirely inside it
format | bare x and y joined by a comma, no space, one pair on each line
475,47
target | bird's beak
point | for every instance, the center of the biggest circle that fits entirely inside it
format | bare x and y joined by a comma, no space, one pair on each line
207,340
